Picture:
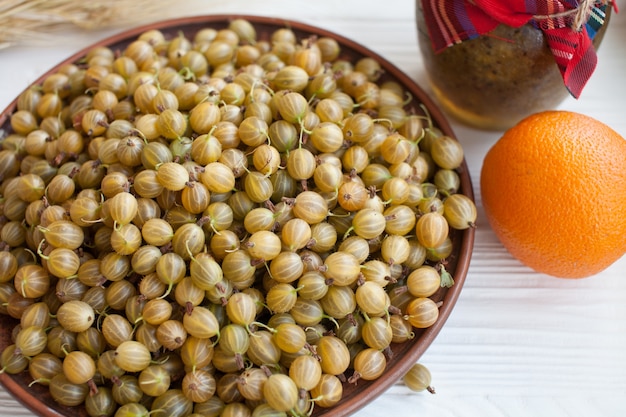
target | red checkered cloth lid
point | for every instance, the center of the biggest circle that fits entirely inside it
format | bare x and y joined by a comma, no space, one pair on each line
569,26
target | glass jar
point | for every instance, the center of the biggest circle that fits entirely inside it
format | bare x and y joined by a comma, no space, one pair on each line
493,81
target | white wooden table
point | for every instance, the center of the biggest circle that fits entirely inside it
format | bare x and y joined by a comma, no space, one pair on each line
518,343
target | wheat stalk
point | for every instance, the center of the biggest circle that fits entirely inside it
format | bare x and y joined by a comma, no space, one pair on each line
35,20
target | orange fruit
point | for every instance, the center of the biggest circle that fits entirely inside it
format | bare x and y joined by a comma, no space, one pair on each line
554,191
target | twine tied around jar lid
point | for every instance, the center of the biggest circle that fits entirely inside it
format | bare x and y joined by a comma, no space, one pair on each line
569,26
578,16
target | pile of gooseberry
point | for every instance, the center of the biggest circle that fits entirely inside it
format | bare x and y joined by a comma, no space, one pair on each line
220,224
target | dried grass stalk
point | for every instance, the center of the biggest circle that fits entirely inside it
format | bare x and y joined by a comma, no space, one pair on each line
34,20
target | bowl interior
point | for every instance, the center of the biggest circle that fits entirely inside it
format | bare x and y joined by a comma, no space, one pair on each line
357,395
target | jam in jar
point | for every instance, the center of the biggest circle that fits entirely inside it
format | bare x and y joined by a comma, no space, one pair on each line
494,80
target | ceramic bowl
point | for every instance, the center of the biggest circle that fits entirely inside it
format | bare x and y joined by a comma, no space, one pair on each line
37,398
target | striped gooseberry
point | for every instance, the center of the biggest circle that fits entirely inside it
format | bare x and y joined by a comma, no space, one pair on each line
171,124
447,152
394,114
156,311
301,164
144,259
312,285
69,289
284,186
327,177
171,334
66,393
116,329
234,340
196,353
201,323
283,135
266,159
431,229
85,211
395,149
422,312
401,329
253,131
43,367
146,184
61,341
372,299
286,267
217,217
187,294
352,196
30,341
342,268
188,240
251,382
327,136
195,197
423,281
171,268
239,268
204,271
205,149
126,390
154,380
241,309
172,176
417,254
460,211
198,386
263,349
31,281
113,182
306,372
369,364
126,239
64,234
295,234
155,154
263,244
400,219
310,207
447,181
328,392
280,298
78,367
418,378
75,316
114,266
258,187
395,191
430,205
290,77
323,237
327,109
37,314
259,218
376,332
334,355
289,337
368,223
339,301
357,246
280,392
118,293
440,252
395,249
